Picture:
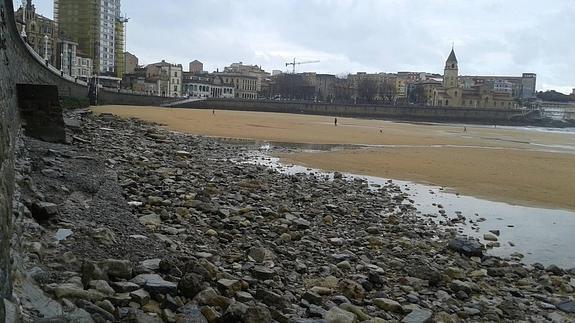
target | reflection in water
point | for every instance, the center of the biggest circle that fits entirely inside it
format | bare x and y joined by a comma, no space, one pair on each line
308,147
541,235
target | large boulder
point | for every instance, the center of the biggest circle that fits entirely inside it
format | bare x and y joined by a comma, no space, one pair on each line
467,246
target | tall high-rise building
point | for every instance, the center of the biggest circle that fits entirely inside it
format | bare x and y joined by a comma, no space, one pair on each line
98,27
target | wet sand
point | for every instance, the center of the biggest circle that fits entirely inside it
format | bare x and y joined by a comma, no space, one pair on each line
512,165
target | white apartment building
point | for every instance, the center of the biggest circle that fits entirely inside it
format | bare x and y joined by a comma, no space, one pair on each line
109,15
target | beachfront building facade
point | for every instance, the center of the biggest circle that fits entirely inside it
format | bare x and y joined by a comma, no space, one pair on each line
245,86
168,78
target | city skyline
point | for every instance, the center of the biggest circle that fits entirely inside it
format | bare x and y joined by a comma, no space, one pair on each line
491,38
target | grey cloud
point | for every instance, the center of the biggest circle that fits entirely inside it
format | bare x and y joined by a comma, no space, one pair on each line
491,36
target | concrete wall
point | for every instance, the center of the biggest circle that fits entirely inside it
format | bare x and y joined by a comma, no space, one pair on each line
18,66
411,113
9,128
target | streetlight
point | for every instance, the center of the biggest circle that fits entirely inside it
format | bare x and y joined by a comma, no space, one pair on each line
62,63
23,34
46,48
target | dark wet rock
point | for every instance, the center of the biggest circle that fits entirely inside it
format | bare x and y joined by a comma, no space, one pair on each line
567,306
263,273
155,284
418,316
190,314
43,211
190,285
257,314
467,246
97,312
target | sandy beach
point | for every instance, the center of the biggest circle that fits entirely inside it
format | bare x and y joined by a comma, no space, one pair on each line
513,165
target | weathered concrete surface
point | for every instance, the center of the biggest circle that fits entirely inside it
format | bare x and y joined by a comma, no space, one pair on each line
40,112
408,112
9,127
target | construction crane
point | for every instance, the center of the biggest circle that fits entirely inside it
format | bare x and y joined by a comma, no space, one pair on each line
294,63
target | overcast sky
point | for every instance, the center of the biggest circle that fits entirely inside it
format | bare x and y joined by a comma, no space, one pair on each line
491,37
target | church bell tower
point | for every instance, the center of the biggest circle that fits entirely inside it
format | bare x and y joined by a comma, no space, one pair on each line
451,71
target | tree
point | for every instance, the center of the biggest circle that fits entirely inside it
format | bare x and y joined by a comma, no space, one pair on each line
554,96
367,90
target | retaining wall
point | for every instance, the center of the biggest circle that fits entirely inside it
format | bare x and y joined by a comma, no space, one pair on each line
19,67
407,112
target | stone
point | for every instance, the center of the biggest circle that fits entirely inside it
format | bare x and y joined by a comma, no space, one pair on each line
418,316
357,310
495,232
467,287
301,223
271,299
207,296
102,286
328,220
190,285
313,298
190,314
149,266
211,233
120,299
244,297
263,273
372,230
324,291
229,286
490,237
467,246
567,306
387,304
120,269
155,284
351,289
234,313
211,314
259,254
124,287
345,265
43,211
106,305
555,270
69,290
95,311
104,236
150,220
257,314
140,296
338,315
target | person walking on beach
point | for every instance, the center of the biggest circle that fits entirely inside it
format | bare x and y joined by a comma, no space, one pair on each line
213,111
464,129
335,122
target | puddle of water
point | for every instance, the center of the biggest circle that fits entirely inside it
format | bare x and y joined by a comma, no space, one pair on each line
62,234
307,147
541,235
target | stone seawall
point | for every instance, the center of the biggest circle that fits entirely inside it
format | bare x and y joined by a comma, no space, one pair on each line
9,128
18,66
411,113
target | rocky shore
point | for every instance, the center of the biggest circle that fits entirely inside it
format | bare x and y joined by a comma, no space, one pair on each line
132,223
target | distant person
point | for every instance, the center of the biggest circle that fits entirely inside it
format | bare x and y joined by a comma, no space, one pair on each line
213,111
335,122
380,130
464,129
